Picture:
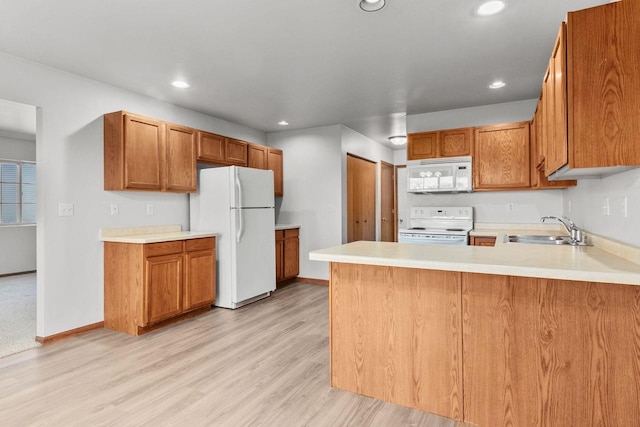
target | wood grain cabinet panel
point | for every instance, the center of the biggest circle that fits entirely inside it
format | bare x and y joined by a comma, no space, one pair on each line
396,335
141,153
501,157
594,105
257,156
482,240
236,152
550,352
443,143
181,159
287,254
149,285
275,163
211,148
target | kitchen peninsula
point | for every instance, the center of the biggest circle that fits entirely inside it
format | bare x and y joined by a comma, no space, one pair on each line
516,334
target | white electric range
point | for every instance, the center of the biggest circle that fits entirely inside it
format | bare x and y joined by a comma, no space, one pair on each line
446,225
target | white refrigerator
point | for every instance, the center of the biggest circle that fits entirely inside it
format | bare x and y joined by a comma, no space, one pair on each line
238,204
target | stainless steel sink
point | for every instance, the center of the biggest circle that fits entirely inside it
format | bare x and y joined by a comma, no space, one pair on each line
545,240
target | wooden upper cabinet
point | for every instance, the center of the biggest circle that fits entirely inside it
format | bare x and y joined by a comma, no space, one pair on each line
220,150
455,142
422,145
274,163
141,153
236,152
181,158
444,143
501,160
555,98
257,156
592,95
211,147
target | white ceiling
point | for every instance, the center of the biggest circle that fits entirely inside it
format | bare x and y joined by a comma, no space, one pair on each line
256,62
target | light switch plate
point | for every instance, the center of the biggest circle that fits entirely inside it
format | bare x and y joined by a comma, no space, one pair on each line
65,209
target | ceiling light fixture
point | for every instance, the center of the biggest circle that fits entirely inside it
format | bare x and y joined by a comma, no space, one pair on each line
180,84
497,84
491,7
398,139
371,5
283,123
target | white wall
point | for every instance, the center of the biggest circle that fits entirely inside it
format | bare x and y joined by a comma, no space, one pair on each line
474,116
587,200
70,169
312,190
359,145
529,206
17,243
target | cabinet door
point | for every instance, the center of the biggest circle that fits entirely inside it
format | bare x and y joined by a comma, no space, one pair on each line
163,287
422,145
274,163
211,148
181,158
257,156
143,153
236,152
483,240
279,255
200,273
557,103
502,157
291,253
455,142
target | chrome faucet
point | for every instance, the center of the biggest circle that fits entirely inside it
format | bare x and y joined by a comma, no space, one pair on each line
576,235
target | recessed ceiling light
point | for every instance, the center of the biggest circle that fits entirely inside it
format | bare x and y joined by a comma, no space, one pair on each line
283,123
497,84
180,84
398,139
371,5
491,7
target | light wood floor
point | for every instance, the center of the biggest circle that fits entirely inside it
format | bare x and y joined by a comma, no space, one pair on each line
266,364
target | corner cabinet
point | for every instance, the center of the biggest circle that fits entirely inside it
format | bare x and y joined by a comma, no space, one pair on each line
145,154
287,254
501,157
593,86
150,285
444,143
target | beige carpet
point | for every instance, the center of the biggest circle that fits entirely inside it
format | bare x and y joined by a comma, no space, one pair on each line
17,314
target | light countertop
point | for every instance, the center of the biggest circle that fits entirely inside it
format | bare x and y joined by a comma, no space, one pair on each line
286,226
153,234
565,262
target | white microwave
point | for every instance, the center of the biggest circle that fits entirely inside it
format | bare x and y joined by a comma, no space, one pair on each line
451,175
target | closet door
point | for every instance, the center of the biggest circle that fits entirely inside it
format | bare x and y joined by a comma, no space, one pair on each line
361,199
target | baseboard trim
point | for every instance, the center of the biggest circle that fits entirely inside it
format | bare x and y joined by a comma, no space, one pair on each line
315,281
18,273
68,334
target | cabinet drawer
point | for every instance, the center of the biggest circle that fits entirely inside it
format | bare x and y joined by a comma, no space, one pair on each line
292,232
163,248
203,244
280,234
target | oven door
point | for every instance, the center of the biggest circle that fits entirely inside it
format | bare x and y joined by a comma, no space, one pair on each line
433,239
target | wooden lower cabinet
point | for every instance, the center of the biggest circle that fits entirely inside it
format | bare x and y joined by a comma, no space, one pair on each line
287,254
490,350
148,284
482,240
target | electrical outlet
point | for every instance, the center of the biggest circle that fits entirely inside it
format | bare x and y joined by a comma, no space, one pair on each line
114,209
509,207
65,209
149,209
605,207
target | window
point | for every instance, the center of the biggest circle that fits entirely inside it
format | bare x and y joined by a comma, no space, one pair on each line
17,192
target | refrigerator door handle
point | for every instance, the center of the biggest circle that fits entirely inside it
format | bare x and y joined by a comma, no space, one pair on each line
239,207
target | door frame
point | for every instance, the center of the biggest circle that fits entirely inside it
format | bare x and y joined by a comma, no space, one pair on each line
395,200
